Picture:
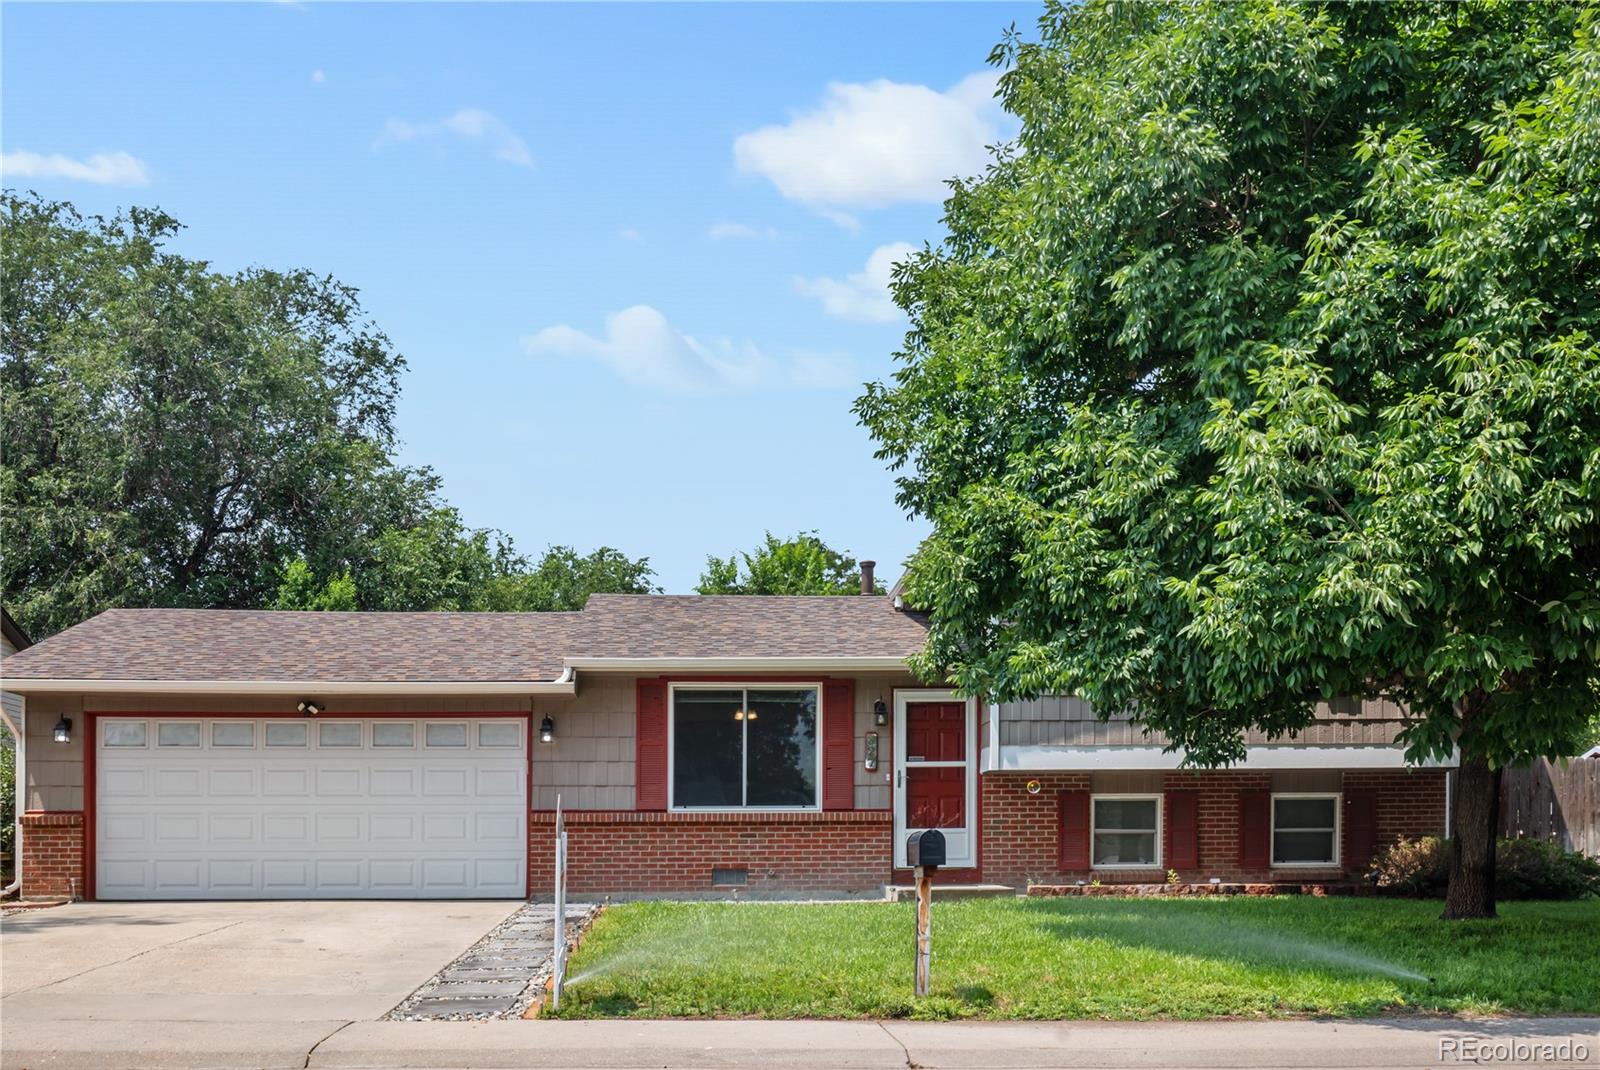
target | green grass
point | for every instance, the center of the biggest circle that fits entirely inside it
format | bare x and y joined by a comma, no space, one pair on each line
1085,958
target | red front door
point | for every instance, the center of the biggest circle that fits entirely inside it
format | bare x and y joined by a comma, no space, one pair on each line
935,783
936,797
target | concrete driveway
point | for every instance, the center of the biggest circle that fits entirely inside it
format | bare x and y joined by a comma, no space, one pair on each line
258,974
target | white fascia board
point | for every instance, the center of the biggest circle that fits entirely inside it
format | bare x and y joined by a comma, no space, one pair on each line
702,665
566,686
1044,759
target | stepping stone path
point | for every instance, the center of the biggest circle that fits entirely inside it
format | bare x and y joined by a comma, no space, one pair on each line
501,975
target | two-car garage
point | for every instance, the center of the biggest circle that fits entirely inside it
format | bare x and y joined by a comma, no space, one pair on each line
227,807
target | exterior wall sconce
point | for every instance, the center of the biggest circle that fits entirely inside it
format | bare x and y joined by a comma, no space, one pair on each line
547,729
880,713
309,709
64,730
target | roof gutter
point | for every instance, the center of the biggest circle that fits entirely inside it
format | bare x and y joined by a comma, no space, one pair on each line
565,684
802,665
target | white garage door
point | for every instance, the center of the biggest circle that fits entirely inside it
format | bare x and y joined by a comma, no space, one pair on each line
237,808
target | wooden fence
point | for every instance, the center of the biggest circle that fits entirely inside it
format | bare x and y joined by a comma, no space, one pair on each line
1546,801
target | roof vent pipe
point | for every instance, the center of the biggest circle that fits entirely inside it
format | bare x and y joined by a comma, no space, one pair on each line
866,576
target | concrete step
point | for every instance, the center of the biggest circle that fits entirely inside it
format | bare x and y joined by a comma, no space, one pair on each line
894,893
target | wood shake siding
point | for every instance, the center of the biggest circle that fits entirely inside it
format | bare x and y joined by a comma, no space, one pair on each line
591,763
1057,721
54,770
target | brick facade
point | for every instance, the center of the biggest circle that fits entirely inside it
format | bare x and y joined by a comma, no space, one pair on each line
1020,835
626,851
850,852
52,854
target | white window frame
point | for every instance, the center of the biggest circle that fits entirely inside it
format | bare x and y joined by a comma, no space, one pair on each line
1160,829
745,686
1338,828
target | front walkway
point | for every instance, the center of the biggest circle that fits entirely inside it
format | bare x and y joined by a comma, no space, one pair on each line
501,975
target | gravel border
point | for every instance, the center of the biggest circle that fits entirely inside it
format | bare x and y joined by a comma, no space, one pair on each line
519,949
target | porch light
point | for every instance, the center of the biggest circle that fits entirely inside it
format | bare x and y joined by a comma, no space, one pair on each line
880,713
547,729
64,730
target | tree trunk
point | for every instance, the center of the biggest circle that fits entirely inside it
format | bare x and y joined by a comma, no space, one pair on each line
1470,893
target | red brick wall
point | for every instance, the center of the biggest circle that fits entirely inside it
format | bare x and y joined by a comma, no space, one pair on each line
621,851
1410,804
1019,829
52,853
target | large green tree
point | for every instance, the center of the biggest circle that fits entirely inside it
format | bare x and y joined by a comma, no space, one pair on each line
1264,367
801,565
177,436
440,566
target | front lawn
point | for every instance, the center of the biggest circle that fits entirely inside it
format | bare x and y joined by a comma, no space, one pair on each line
1085,958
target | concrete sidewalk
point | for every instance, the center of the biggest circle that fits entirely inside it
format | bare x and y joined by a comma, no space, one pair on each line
625,1045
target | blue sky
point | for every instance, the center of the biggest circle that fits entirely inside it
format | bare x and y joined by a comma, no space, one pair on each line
634,255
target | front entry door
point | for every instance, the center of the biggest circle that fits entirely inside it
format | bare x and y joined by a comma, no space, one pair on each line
935,783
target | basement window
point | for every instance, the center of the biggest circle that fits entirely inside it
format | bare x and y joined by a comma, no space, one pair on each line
730,877
1127,831
1305,830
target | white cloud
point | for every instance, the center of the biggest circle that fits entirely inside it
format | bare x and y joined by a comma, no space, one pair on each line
643,348
721,231
101,168
630,234
877,143
319,76
863,296
468,124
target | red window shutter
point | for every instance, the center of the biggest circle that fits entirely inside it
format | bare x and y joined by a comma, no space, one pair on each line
1072,830
1183,829
838,745
1360,828
1255,829
650,734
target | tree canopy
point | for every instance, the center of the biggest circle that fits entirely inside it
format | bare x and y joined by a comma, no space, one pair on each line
1264,367
177,436
803,564
473,574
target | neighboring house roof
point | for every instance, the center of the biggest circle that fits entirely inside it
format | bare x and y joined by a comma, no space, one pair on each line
400,650
16,638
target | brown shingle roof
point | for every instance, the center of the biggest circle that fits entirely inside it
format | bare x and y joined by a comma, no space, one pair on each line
258,645
224,644
749,626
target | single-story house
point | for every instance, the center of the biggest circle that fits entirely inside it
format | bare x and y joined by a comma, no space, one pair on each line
764,745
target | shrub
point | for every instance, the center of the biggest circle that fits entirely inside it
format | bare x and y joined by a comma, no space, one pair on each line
1419,867
1541,869
1524,869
